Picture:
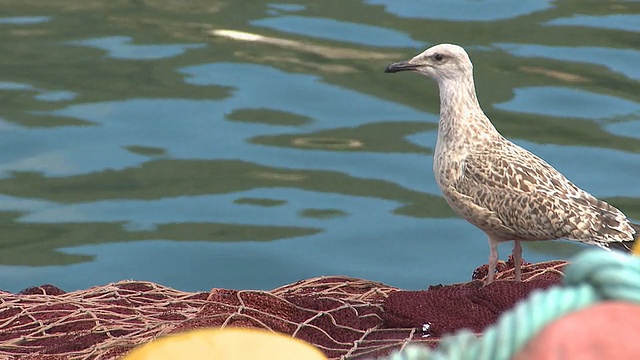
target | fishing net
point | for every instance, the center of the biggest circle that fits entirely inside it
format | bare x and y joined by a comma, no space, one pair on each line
346,318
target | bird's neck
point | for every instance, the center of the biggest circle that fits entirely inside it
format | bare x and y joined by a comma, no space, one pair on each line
461,118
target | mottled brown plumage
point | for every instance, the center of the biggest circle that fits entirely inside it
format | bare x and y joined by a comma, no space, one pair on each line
503,189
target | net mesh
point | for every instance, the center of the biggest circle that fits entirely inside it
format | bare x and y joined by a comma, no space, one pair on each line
345,317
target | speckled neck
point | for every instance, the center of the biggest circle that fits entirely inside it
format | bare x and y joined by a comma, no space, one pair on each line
461,118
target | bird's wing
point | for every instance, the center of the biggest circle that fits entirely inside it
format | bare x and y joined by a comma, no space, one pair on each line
535,201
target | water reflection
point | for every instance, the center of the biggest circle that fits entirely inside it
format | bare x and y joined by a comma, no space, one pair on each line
625,22
220,145
560,102
463,10
120,47
618,60
337,30
24,20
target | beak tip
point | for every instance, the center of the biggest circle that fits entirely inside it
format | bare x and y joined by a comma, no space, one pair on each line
399,66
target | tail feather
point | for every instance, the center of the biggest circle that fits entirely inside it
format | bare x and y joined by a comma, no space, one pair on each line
627,245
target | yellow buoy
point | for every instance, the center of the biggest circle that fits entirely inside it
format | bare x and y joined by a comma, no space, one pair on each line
226,344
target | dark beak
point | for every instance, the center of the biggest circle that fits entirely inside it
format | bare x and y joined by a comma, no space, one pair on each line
400,66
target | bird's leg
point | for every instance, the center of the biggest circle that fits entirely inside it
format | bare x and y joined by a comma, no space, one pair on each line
493,260
517,259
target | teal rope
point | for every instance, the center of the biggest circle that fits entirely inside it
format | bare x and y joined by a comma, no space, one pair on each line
595,275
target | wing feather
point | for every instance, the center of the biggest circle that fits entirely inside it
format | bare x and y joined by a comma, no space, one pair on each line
535,201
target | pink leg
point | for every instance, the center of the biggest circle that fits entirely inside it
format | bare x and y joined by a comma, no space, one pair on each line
493,260
517,259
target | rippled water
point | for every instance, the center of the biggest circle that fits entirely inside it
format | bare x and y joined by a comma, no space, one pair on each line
251,144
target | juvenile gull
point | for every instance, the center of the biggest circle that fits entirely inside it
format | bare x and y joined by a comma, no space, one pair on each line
501,188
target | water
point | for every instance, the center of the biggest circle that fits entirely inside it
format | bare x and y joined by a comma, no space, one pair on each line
250,144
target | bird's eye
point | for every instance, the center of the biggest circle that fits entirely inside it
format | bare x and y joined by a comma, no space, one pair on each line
438,57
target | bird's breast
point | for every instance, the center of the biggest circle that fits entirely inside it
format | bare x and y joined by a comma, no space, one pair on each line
448,165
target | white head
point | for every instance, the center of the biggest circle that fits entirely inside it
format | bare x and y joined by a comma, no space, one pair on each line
443,63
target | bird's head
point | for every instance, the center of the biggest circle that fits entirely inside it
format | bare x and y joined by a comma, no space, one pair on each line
440,62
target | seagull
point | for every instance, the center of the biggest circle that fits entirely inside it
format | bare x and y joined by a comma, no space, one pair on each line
503,189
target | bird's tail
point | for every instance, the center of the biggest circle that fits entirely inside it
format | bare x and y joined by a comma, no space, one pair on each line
629,245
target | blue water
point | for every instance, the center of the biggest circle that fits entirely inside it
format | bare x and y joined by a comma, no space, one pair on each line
463,10
166,153
331,29
617,60
120,47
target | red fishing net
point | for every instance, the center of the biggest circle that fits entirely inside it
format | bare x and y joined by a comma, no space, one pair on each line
345,317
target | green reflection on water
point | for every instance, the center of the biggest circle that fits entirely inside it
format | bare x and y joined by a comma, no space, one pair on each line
158,179
147,150
35,244
260,202
384,137
38,55
322,213
268,116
